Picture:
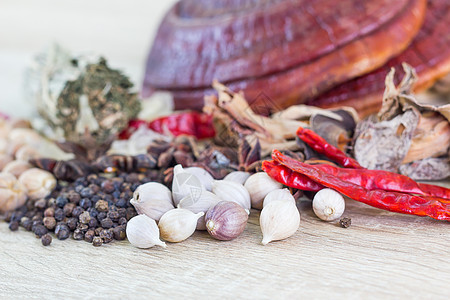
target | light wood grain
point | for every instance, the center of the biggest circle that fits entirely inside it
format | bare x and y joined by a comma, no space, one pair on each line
382,255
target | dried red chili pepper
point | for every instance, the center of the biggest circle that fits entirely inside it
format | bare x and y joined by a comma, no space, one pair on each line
290,178
320,145
191,123
369,179
434,207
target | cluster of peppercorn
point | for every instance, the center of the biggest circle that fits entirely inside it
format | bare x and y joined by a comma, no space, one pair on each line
93,208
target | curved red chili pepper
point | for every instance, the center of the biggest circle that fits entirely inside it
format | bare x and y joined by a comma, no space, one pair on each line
292,179
434,207
320,145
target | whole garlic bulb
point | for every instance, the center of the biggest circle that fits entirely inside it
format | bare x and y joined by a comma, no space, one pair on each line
199,204
328,205
278,195
152,199
259,185
39,183
184,183
178,224
142,232
237,176
279,220
226,220
205,178
12,192
232,191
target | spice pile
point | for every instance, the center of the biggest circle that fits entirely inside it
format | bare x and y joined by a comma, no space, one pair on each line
167,177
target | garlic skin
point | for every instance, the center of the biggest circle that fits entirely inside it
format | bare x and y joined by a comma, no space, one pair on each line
232,191
39,183
17,167
226,220
184,183
178,224
142,232
200,204
259,185
278,195
279,220
328,205
152,199
12,192
205,178
237,176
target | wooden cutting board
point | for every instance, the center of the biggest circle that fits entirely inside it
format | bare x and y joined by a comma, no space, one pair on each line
380,255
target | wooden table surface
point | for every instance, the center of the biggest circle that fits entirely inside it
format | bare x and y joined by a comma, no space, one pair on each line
381,255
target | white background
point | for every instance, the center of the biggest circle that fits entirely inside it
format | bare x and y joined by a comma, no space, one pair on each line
122,31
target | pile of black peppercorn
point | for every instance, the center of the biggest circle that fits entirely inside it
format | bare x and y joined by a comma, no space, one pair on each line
93,208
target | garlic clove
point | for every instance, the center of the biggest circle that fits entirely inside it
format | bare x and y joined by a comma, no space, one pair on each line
226,220
232,191
39,183
200,204
279,220
237,176
205,178
184,183
259,185
278,195
328,205
17,167
152,199
27,152
142,232
178,224
12,192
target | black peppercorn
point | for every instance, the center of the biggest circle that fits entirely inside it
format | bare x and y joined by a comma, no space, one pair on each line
62,231
49,212
26,223
72,223
121,203
89,236
97,241
46,239
101,216
78,235
49,223
134,186
74,197
122,221
131,212
101,206
40,204
106,235
93,212
86,192
98,230
14,225
68,208
84,218
93,223
119,233
61,201
113,215
345,222
77,211
108,186
40,230
106,223
59,214
15,216
85,203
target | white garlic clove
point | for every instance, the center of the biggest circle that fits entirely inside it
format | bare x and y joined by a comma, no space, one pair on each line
184,183
232,191
205,178
200,204
279,220
328,205
178,224
27,152
142,232
12,192
17,167
237,176
278,195
152,199
39,183
259,185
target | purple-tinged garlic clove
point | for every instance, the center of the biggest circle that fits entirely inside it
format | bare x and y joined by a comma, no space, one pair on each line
226,220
